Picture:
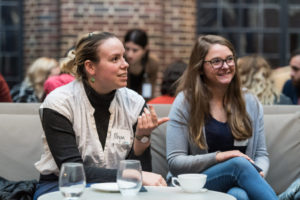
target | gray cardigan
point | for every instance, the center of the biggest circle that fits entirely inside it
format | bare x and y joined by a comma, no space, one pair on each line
185,157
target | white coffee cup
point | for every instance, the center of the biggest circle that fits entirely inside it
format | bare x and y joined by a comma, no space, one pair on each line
190,182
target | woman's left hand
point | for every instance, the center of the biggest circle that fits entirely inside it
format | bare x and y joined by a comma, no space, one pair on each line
147,122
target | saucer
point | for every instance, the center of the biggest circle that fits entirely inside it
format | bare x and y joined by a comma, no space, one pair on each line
106,187
203,190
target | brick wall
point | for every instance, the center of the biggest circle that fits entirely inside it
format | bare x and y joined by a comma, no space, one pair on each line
51,27
41,30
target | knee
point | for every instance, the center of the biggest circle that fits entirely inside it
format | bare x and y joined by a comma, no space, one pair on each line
240,162
238,193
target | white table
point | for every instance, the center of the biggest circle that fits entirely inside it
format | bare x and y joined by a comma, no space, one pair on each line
154,193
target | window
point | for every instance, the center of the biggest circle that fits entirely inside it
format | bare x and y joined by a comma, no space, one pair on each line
11,40
267,27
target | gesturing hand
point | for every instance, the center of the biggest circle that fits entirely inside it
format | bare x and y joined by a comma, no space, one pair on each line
148,121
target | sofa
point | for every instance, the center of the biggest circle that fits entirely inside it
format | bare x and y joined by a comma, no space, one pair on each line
21,142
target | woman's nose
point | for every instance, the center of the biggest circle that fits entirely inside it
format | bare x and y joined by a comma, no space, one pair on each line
225,65
124,63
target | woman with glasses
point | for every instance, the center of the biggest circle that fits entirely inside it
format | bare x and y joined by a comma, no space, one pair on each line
216,128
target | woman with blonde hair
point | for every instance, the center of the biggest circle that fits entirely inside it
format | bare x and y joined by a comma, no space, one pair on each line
32,88
217,129
255,73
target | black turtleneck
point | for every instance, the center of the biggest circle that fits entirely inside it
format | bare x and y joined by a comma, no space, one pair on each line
101,105
62,142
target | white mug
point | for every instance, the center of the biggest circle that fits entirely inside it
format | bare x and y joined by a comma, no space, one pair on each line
190,182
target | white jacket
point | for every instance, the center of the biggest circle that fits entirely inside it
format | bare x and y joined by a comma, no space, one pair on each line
72,102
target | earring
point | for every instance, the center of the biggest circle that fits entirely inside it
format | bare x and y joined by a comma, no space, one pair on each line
93,80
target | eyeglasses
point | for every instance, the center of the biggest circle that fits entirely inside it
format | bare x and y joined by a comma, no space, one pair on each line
218,63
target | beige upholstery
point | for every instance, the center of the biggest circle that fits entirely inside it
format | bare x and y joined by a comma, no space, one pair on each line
283,142
21,144
20,141
19,108
158,142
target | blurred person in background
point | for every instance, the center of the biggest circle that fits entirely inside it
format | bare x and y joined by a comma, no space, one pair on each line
143,67
169,84
65,77
255,73
291,87
4,91
32,88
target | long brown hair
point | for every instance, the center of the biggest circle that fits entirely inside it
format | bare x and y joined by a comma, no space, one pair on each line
198,95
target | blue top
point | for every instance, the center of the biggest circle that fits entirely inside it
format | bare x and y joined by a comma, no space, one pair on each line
219,137
290,91
184,156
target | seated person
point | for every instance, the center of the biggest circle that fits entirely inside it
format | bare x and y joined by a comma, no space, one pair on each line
81,120
169,84
32,88
291,87
4,91
143,66
217,129
63,78
255,73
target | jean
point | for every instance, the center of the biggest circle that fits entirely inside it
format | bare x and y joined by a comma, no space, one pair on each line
45,187
239,178
238,193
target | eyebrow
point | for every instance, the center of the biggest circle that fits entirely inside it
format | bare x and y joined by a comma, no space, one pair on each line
114,54
221,58
295,68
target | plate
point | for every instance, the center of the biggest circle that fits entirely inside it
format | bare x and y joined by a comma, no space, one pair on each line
106,187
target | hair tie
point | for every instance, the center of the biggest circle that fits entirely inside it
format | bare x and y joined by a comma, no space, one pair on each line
90,34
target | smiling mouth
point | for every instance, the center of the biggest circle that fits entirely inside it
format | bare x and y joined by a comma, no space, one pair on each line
224,74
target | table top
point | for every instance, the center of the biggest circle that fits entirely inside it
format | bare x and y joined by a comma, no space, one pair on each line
158,193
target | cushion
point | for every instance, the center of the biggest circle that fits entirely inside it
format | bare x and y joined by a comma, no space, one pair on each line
158,141
283,143
20,146
19,108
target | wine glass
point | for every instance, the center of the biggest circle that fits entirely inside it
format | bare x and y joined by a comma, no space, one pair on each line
129,177
72,180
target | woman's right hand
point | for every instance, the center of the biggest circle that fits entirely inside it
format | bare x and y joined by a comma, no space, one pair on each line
223,156
152,179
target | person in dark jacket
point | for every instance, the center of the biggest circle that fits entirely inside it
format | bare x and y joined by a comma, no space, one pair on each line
291,87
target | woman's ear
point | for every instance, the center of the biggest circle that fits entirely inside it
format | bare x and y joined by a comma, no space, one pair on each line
89,67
